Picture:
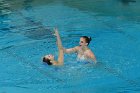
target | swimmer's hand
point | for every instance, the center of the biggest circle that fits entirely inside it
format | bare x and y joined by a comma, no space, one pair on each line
56,32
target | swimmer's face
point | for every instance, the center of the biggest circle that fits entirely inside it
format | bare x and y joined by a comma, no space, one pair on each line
50,57
82,42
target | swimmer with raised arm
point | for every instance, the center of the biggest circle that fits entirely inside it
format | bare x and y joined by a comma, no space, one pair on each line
49,59
83,52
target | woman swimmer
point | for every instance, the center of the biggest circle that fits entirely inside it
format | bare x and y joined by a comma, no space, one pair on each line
49,59
83,52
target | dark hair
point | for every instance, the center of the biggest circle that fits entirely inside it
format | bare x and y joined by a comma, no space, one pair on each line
46,60
87,39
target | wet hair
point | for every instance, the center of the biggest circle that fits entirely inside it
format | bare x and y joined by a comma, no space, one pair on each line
46,60
87,39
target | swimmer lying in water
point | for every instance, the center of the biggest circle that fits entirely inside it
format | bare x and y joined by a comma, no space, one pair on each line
49,59
83,51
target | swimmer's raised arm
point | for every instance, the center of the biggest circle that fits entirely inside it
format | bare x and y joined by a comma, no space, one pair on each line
59,42
49,59
60,49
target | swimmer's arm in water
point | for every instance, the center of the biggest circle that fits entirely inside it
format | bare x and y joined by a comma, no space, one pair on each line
71,50
91,55
60,49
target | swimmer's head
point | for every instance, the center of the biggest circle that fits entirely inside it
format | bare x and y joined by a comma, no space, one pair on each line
84,41
48,58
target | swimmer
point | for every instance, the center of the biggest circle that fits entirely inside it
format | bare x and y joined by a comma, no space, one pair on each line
83,51
49,59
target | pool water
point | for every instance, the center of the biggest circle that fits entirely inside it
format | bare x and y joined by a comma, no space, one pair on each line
26,35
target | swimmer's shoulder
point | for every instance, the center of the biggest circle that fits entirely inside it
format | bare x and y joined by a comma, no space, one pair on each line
88,50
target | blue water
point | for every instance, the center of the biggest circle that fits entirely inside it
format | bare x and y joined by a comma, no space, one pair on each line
26,35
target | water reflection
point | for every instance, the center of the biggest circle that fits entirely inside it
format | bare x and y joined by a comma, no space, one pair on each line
35,29
27,4
126,2
39,33
4,8
5,11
